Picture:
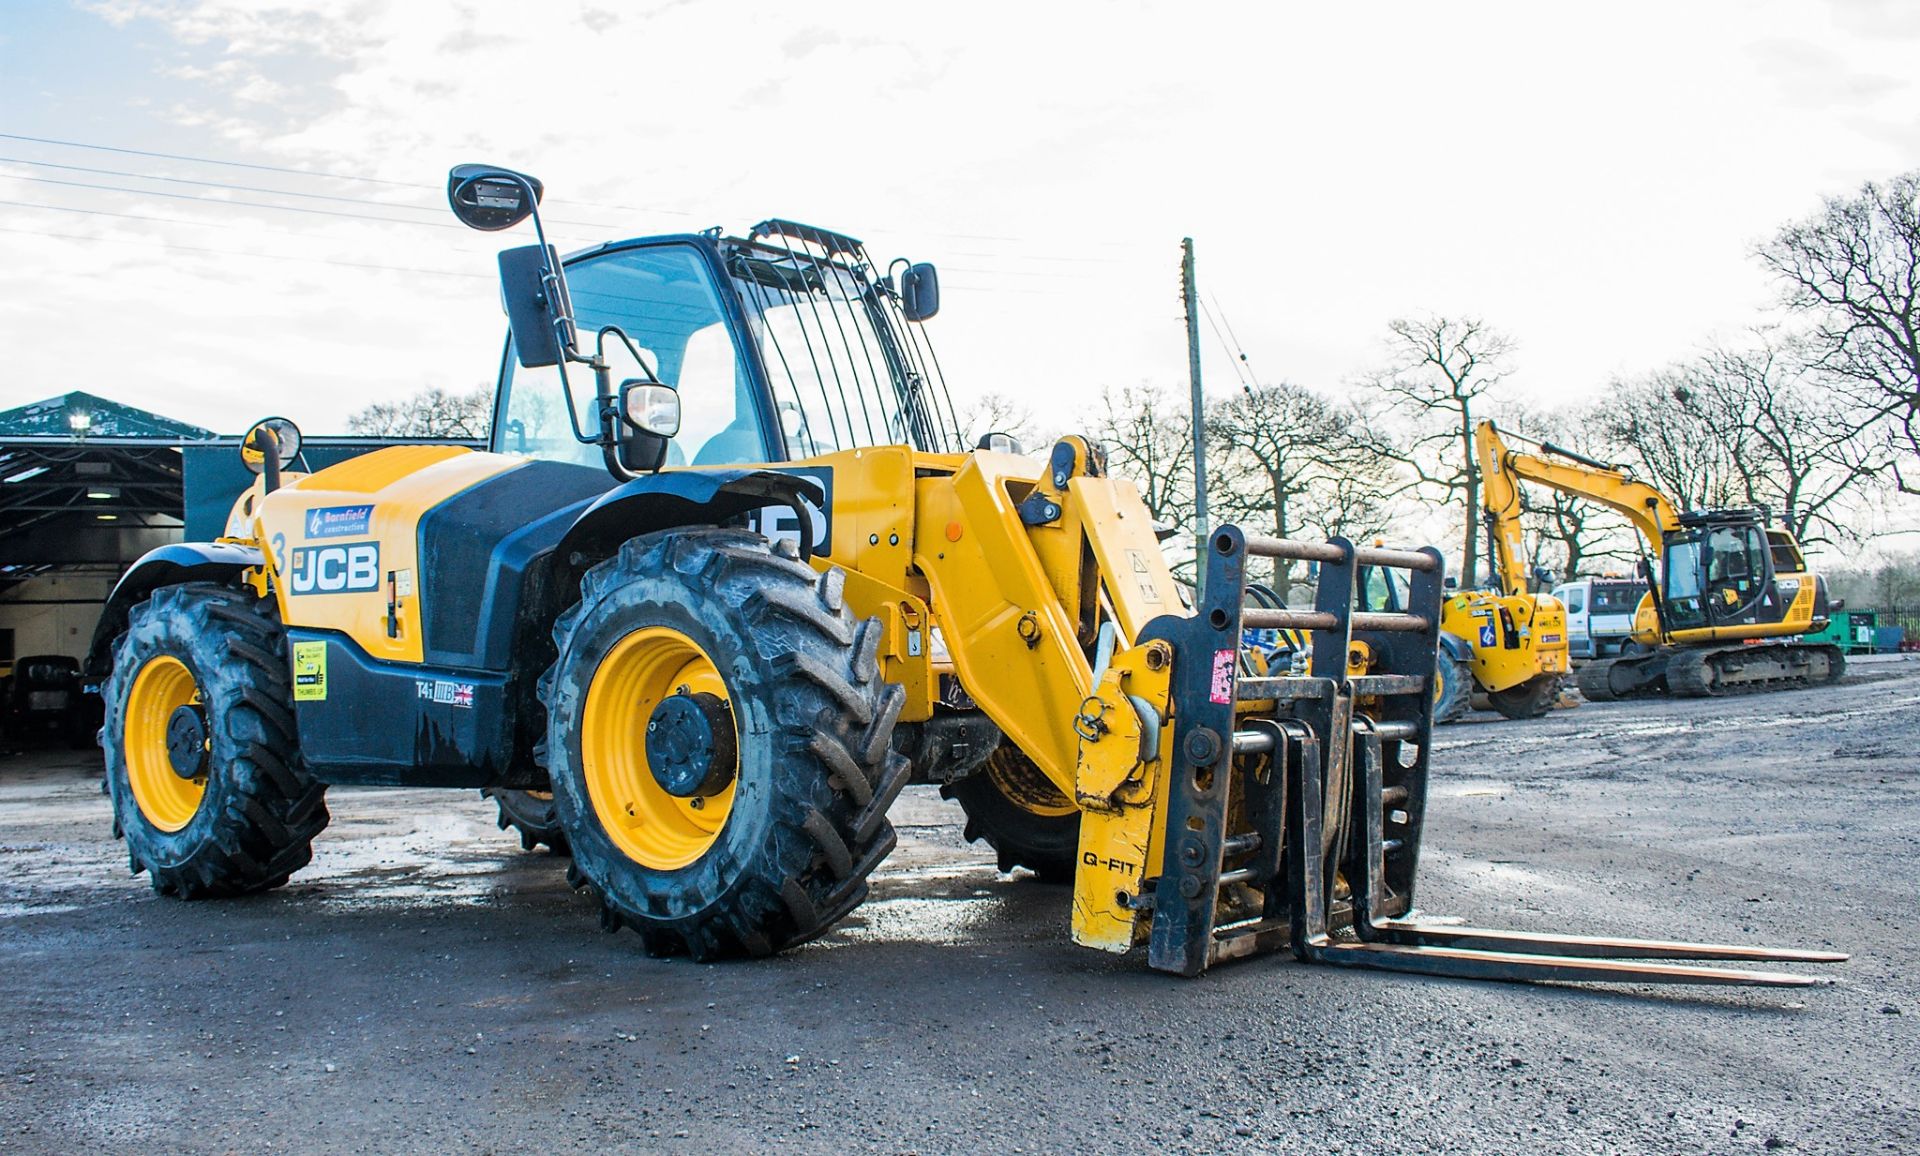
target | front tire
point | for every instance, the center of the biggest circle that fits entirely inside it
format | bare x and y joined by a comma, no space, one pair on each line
719,744
202,757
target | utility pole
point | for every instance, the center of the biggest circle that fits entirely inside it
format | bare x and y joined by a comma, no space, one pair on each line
1190,296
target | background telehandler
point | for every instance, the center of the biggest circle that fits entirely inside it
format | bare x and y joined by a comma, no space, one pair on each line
724,673
1728,596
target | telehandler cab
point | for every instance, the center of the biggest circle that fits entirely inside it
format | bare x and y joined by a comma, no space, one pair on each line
724,673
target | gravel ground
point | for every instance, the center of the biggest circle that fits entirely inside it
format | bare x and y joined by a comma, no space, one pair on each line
426,986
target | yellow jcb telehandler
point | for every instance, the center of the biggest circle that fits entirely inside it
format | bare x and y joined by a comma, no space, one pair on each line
727,606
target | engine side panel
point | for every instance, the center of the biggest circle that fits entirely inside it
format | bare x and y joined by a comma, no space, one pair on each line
475,549
343,543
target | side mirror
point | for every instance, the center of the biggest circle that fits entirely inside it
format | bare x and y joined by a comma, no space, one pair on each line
282,435
270,446
490,198
650,407
1452,583
649,417
920,292
539,311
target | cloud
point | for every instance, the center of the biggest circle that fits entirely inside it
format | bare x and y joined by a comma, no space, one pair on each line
1588,185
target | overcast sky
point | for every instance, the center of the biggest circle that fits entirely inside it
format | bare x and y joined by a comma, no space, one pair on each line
1588,178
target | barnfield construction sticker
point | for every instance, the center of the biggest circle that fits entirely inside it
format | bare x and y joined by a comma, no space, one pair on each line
310,672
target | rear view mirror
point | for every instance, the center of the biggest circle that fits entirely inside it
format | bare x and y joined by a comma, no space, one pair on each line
920,292
537,324
650,407
490,198
282,433
272,445
649,417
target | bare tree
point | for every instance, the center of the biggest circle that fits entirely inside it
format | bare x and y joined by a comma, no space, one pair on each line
1291,458
429,413
1147,435
1656,418
1440,366
997,413
1756,424
1855,266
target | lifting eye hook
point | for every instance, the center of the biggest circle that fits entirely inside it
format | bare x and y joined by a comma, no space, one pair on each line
1091,722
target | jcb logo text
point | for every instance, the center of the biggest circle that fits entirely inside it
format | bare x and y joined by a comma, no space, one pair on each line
335,569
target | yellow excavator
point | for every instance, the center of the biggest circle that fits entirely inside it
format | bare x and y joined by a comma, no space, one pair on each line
1728,598
724,610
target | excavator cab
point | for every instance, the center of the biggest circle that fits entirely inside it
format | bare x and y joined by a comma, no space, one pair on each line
1717,571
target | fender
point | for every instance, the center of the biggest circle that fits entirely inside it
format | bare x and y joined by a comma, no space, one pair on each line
673,498
163,566
1458,648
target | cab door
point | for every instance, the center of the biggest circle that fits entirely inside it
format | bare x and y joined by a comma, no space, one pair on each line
1574,598
1737,581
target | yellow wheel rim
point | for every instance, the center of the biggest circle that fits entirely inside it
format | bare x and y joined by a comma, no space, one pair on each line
648,825
163,686
1025,786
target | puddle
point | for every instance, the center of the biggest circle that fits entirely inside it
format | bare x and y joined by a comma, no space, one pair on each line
426,859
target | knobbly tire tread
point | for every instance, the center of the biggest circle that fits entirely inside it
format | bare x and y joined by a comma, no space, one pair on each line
1456,696
535,820
1047,845
1531,699
256,824
816,719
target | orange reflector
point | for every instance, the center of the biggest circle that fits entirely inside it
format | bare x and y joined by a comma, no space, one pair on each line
953,531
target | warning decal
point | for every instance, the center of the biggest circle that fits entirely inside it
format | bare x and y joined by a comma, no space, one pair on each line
309,672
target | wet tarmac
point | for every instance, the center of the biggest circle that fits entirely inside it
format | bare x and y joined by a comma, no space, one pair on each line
426,986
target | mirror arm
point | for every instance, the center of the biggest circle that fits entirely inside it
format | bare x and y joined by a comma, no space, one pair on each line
270,464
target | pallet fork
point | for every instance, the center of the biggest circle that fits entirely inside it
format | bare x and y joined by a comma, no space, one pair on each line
1293,820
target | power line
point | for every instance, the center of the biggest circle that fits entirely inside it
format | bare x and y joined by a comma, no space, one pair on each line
227,202
218,185
255,189
243,253
74,144
320,174
1228,322
252,227
1232,359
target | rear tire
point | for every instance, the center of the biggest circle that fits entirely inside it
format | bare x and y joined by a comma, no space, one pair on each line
783,850
1018,812
203,668
1531,699
531,814
1453,698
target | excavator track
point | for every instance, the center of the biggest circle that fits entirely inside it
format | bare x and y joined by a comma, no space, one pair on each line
1598,681
1718,670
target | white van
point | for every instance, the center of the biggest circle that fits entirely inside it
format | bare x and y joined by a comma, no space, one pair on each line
1599,613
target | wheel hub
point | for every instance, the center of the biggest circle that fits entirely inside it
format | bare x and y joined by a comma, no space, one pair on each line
187,741
690,745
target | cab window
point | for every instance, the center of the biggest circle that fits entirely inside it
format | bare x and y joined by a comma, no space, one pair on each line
663,299
1576,600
